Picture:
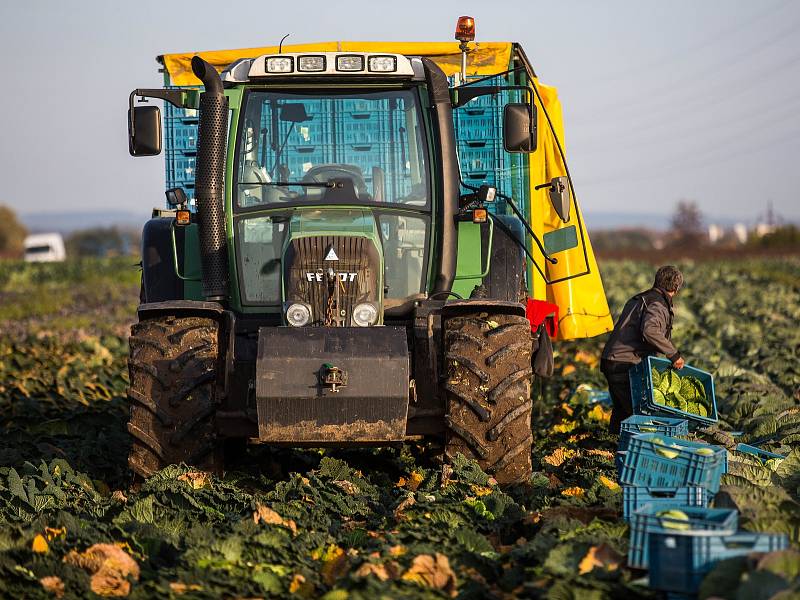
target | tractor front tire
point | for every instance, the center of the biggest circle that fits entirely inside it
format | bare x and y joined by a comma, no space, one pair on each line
488,388
172,366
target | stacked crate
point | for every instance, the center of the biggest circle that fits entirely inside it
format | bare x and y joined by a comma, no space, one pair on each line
180,144
479,140
668,483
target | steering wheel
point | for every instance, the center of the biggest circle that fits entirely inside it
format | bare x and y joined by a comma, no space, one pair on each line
323,173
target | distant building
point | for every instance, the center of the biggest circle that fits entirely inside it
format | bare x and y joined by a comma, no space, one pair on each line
44,247
740,232
728,236
715,233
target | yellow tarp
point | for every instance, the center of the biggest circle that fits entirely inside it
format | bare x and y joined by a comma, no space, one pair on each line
581,301
485,58
583,308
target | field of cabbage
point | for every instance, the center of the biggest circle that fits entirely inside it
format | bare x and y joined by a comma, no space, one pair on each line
384,523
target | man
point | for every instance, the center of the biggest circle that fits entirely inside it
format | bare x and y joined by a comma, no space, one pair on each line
644,328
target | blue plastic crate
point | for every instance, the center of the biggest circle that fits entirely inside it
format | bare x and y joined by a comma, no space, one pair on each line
172,112
619,461
634,497
477,126
673,462
758,452
648,424
478,177
647,520
308,134
642,391
181,137
680,560
180,169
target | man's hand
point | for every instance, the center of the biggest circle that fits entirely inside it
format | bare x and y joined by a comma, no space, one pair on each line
679,363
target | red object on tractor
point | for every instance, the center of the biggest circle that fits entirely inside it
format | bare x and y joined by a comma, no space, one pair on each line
538,312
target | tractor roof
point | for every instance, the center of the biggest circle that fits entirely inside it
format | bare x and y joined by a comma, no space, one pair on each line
485,58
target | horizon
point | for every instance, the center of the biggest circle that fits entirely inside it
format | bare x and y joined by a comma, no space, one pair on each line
67,223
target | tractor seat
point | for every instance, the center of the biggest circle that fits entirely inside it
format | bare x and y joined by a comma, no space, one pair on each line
252,173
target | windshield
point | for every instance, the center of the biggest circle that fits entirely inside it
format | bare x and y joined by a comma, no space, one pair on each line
292,146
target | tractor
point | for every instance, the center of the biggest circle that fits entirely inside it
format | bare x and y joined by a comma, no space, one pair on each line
333,279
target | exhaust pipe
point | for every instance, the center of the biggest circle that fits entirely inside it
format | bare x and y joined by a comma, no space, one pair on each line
442,111
209,180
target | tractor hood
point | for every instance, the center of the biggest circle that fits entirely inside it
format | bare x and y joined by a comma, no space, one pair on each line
332,263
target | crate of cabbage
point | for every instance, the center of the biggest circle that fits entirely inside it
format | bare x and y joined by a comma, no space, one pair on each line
654,460
635,497
636,424
680,560
691,520
658,389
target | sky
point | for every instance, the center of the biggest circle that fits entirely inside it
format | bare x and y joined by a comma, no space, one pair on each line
662,100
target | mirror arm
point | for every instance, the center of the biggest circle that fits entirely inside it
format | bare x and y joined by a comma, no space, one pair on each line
131,119
178,98
459,96
521,217
552,260
510,234
492,76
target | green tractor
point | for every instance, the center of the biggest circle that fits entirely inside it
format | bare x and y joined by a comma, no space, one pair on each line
306,295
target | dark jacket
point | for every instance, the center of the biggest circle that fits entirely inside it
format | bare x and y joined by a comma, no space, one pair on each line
644,328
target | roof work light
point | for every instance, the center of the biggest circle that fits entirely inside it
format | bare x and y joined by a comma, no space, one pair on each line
280,64
313,63
350,62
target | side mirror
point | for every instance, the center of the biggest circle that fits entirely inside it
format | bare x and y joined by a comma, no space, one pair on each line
176,197
560,197
486,193
144,131
519,128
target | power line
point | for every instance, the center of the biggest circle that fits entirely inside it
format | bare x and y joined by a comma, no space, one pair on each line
681,129
692,97
707,41
695,163
664,93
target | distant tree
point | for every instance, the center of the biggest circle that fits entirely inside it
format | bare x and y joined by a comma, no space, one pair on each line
686,228
622,239
786,236
102,241
12,233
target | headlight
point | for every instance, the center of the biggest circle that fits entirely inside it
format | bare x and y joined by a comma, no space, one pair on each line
280,64
298,315
365,314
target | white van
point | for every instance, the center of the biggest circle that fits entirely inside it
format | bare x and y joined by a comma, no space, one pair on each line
44,247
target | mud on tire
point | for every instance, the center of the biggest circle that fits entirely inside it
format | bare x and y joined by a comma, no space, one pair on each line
172,368
488,388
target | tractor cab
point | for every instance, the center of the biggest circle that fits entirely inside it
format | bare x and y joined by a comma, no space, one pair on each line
333,186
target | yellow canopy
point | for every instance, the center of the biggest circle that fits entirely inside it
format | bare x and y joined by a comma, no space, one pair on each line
485,58
579,296
583,308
